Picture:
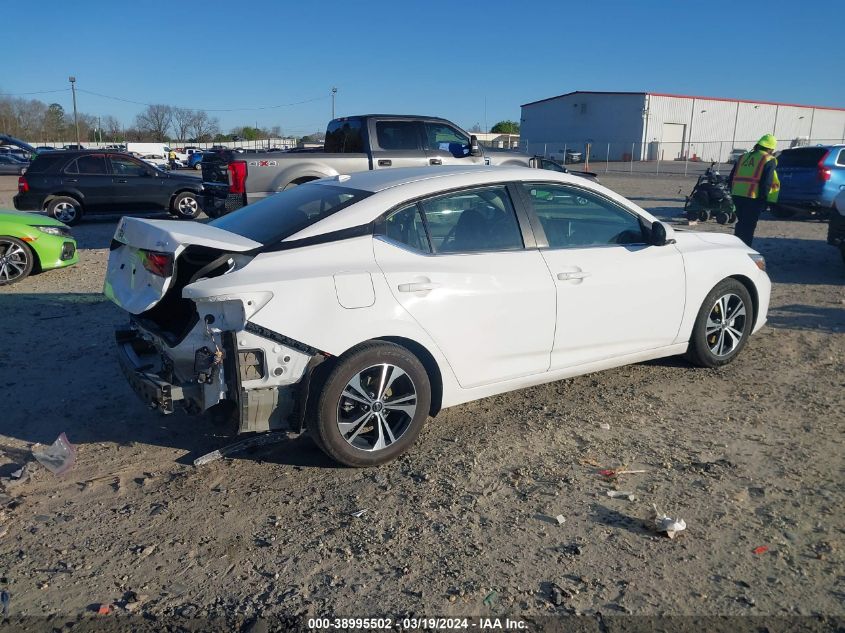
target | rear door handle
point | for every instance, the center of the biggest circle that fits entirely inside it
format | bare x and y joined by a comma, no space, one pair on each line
385,162
419,286
123,181
573,275
435,161
71,180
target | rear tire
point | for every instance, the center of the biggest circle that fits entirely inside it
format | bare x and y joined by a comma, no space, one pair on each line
185,206
723,325
722,218
16,260
65,209
371,406
703,215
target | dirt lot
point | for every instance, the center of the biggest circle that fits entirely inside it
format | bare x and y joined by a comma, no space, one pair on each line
750,456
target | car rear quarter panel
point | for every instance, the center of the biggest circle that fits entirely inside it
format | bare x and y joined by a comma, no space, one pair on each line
329,296
708,263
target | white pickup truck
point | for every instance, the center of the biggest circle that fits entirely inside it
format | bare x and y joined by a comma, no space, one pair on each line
353,144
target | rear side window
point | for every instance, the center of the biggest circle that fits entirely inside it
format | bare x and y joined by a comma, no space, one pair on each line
281,215
344,137
397,135
471,221
841,160
48,161
93,164
801,157
406,226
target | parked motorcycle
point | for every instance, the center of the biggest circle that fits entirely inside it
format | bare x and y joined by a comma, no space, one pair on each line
711,198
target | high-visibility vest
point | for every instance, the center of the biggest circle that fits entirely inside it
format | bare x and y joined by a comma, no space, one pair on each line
749,171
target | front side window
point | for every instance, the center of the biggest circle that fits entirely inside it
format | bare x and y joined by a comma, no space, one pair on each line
474,220
442,137
122,166
575,218
397,135
406,227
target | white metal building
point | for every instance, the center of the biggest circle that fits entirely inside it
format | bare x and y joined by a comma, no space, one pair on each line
649,125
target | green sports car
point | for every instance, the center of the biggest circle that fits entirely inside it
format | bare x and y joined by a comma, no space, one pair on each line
30,241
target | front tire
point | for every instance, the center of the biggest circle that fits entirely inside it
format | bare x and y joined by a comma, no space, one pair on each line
372,405
723,325
65,209
16,260
185,206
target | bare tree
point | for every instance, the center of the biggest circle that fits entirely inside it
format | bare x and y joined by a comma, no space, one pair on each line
183,120
113,128
156,120
203,127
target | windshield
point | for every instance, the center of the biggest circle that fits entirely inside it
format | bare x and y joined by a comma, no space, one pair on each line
281,215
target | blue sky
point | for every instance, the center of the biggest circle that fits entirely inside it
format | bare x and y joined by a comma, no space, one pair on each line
452,59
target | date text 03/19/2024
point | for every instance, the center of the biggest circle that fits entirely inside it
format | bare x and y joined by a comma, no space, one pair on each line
414,624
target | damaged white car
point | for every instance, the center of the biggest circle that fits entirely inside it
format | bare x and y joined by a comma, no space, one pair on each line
358,306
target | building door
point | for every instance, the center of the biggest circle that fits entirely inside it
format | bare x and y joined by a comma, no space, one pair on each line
672,141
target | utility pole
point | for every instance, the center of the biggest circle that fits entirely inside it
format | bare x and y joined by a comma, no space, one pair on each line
72,81
334,92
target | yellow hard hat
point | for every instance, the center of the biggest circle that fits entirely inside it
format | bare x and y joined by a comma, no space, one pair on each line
768,141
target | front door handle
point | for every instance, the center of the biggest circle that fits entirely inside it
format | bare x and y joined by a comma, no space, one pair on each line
435,161
573,275
71,180
419,286
122,180
384,162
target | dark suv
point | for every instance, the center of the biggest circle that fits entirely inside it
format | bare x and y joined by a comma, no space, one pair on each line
70,183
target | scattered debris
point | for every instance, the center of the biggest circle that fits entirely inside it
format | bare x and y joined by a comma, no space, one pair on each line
5,597
619,494
560,519
556,595
103,609
490,598
358,513
20,473
605,426
612,473
58,458
667,524
235,447
761,550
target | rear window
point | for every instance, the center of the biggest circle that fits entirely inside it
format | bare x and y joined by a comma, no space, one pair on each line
45,162
393,135
801,157
344,137
281,215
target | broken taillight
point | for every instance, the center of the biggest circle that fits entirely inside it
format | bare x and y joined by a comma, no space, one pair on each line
237,176
160,264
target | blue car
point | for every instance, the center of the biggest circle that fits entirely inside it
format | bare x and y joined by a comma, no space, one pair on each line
195,160
810,179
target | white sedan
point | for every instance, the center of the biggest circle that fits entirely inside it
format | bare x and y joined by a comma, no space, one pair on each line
355,307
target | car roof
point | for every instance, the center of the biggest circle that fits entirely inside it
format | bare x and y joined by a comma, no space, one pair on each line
381,179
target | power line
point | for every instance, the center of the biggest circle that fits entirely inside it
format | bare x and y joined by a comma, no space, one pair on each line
37,92
271,107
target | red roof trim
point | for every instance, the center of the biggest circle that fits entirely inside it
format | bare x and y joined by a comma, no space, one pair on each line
666,94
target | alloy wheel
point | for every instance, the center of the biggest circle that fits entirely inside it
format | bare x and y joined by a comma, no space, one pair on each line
65,212
376,407
188,206
725,324
13,261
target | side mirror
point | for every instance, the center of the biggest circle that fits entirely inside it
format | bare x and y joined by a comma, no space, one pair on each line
474,149
657,234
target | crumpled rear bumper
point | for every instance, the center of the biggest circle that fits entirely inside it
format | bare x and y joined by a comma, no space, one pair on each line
138,360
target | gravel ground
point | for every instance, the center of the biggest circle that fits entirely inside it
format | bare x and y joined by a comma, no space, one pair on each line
749,455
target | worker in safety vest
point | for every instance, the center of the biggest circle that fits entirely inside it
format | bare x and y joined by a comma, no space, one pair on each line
171,156
754,185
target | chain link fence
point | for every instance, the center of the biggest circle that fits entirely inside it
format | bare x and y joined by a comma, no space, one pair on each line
678,158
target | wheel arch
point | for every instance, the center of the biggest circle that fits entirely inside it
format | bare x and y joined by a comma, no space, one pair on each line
64,194
185,189
755,297
435,378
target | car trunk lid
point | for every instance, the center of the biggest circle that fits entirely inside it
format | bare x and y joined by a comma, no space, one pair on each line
148,256
799,171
